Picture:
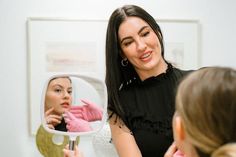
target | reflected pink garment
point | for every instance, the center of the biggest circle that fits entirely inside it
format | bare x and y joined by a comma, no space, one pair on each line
89,111
74,124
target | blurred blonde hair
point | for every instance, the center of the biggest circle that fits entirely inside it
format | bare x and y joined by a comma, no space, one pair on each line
206,103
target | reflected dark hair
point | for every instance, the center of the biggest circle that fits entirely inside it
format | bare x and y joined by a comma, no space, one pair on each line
67,77
115,73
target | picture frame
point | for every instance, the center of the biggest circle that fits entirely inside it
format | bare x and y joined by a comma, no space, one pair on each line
182,42
64,45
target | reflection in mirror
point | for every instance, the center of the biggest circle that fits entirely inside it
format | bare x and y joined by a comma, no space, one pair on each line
73,105
58,100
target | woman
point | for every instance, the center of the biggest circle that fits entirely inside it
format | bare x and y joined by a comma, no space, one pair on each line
204,122
61,115
58,100
141,84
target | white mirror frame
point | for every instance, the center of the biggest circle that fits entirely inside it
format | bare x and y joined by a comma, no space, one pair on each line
73,135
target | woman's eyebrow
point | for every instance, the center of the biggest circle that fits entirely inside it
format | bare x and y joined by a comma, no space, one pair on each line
57,85
142,29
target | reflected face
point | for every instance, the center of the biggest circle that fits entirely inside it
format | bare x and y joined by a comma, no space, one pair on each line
140,45
58,95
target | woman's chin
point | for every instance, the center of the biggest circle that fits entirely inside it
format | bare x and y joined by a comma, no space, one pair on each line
65,110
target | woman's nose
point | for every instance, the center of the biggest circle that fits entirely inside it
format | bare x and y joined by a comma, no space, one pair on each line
66,94
141,45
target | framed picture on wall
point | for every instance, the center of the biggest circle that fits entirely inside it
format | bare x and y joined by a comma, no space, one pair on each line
181,42
61,45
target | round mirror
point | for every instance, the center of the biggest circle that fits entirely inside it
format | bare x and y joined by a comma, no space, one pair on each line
73,105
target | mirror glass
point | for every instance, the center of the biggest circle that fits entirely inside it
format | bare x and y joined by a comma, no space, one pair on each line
73,104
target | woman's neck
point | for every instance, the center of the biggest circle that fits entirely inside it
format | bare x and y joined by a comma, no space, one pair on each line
157,70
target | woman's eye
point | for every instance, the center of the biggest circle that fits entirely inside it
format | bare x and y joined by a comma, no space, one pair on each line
58,90
127,43
145,33
69,92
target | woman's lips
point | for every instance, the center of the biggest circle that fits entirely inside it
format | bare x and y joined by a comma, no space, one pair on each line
65,105
146,56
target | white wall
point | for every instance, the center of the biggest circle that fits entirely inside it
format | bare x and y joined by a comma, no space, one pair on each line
217,19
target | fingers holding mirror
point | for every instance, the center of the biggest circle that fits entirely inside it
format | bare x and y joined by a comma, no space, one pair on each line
74,104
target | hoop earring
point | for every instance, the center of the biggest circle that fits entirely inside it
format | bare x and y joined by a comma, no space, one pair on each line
124,62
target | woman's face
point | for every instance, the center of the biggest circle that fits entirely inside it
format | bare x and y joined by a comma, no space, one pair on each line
58,95
141,46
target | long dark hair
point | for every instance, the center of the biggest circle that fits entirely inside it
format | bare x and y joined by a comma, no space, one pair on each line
115,73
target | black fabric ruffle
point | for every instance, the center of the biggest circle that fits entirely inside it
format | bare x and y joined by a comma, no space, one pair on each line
158,126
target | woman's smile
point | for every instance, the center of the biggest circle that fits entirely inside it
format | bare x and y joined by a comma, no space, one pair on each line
146,56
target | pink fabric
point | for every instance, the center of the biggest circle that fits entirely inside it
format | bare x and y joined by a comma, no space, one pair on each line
88,111
76,124
178,153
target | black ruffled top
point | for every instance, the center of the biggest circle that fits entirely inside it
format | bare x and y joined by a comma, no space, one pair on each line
149,107
61,126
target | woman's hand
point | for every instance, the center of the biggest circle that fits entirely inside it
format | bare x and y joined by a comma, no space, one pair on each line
75,153
178,153
173,151
52,119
